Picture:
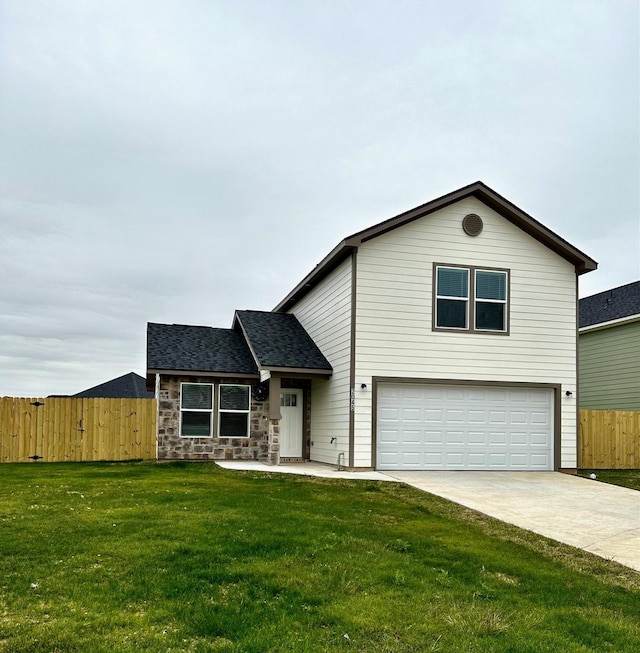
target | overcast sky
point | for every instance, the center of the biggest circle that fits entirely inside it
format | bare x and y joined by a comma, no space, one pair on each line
174,160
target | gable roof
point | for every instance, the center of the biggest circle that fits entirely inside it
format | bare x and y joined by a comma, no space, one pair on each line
127,386
183,348
278,340
614,304
493,200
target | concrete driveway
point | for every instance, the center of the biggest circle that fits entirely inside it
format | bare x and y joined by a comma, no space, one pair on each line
597,517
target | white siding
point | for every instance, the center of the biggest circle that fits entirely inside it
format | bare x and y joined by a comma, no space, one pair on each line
325,312
394,305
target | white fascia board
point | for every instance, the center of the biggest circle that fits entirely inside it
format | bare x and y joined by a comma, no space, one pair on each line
611,323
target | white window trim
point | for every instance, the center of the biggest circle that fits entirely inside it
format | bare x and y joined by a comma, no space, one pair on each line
504,301
228,410
197,410
466,300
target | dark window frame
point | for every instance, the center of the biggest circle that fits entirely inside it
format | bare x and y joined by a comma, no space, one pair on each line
471,300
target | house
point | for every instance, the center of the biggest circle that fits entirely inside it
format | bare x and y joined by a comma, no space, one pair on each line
442,338
609,349
127,386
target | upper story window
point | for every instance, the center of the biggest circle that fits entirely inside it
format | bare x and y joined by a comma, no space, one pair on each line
471,299
196,410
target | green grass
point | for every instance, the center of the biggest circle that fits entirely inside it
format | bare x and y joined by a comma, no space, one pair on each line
190,557
625,477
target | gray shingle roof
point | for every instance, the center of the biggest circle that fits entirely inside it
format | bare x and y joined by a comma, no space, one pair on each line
279,340
609,305
127,386
198,349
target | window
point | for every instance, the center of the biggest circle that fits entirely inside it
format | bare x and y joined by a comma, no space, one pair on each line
471,299
452,298
196,410
490,300
288,399
233,411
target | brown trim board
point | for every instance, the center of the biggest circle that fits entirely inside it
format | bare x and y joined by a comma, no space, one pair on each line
576,392
352,357
480,191
557,406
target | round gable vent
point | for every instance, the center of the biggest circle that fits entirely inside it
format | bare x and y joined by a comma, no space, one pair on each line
472,224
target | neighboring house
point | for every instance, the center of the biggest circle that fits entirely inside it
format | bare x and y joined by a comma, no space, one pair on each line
442,338
609,349
127,386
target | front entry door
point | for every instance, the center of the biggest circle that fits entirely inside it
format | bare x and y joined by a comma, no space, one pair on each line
291,424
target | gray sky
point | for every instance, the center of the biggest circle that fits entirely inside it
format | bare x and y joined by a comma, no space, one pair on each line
173,160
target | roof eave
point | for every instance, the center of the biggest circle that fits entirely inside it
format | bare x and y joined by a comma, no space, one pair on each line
237,321
478,189
230,375
322,269
499,204
313,371
598,326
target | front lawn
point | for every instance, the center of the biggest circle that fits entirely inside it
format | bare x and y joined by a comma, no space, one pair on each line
190,557
625,477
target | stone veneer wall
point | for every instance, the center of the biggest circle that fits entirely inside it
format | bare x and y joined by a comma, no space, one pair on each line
173,447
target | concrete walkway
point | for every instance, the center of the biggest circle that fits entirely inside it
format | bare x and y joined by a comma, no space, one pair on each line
600,518
305,469
597,517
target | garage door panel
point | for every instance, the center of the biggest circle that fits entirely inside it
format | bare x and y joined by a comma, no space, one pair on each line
476,417
477,438
389,437
454,416
540,439
411,415
541,397
540,461
518,417
453,393
498,437
410,459
389,414
434,437
455,437
464,427
518,461
454,458
497,460
497,417
477,459
412,439
518,438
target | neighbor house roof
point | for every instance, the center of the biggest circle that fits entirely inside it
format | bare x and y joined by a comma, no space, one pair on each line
278,340
610,305
184,348
127,386
502,206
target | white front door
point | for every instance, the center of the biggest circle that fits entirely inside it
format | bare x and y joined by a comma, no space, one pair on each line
291,424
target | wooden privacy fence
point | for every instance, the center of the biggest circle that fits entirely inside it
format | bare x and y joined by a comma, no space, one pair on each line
61,429
609,439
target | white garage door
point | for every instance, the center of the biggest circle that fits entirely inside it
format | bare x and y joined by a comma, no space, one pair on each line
424,426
